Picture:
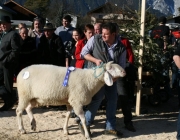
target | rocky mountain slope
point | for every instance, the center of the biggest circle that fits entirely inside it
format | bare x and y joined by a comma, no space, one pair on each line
166,7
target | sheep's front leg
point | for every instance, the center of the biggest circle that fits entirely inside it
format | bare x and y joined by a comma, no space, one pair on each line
31,117
69,109
83,121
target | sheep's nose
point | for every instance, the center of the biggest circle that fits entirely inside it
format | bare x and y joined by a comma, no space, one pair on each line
123,71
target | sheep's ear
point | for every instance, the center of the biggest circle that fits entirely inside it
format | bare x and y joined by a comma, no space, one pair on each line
108,79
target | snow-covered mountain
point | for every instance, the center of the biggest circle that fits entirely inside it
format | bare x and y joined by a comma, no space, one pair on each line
166,7
160,7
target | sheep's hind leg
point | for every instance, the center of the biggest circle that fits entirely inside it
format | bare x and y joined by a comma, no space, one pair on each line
69,109
19,111
30,114
79,112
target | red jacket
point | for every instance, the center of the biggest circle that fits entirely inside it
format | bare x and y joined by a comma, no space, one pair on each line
79,62
127,44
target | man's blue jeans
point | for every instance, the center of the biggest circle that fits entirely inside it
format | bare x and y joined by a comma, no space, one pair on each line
110,93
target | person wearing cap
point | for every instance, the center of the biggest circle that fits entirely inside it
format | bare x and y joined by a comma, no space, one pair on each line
9,53
51,49
65,33
161,33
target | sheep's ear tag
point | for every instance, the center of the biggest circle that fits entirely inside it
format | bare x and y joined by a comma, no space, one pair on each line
26,75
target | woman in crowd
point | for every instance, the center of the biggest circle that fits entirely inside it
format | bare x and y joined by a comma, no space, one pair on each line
77,35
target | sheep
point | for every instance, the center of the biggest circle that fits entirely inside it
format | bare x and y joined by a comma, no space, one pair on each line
42,85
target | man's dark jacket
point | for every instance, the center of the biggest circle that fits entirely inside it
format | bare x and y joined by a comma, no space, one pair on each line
51,51
28,52
9,48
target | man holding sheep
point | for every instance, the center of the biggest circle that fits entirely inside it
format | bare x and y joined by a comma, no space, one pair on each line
102,49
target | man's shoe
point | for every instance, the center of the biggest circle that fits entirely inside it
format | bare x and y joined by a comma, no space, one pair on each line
77,120
82,129
130,127
7,107
72,115
115,133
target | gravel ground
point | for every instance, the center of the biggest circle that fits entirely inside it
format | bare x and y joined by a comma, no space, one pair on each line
159,123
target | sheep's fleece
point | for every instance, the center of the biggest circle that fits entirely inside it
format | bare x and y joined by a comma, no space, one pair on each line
42,85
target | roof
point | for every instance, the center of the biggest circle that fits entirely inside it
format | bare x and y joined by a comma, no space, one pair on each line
7,9
19,8
16,22
173,25
107,4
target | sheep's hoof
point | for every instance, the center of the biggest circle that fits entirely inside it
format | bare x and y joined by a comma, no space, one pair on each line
33,128
33,125
22,131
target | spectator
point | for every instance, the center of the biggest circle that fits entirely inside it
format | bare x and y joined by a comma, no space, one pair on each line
126,85
89,32
174,44
161,33
65,33
98,49
176,59
77,35
161,36
36,33
20,25
98,28
28,51
51,49
1,34
9,53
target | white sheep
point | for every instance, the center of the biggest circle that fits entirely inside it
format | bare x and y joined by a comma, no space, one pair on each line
42,85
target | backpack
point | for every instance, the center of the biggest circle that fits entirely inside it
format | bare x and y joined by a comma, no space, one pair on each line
156,34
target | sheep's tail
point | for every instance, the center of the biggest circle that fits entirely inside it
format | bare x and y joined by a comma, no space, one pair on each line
23,87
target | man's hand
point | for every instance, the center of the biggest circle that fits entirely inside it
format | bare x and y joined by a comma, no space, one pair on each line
115,79
98,62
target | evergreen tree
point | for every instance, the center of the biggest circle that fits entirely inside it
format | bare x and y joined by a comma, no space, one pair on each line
1,1
59,16
38,6
154,58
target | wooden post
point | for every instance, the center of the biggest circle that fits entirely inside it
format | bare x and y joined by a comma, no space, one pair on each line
139,83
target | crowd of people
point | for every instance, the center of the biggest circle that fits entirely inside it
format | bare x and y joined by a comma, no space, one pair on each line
83,48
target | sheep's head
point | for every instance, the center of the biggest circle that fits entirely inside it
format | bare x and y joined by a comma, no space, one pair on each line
113,71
